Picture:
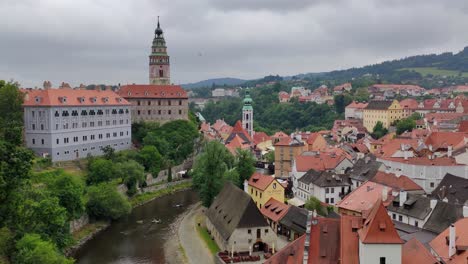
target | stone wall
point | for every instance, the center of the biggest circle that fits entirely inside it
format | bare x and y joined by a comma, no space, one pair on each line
77,224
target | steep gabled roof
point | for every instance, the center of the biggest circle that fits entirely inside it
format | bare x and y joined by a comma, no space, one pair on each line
440,245
274,209
233,208
240,131
261,181
378,228
396,182
295,219
363,198
446,139
442,216
415,252
350,239
378,105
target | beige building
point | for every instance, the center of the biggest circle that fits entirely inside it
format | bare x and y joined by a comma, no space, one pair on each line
157,103
386,112
286,150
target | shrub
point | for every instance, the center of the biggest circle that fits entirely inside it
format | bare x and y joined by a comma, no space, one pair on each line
105,202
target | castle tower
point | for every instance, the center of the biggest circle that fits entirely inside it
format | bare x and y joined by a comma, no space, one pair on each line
247,114
159,68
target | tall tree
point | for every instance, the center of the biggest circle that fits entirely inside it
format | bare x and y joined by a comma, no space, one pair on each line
70,191
403,125
11,113
209,171
132,174
32,249
245,165
379,130
105,202
100,170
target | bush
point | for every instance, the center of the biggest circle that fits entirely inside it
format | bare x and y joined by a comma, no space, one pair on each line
6,240
70,192
100,170
105,202
31,249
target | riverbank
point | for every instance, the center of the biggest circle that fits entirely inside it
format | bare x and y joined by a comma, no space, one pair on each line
192,244
89,231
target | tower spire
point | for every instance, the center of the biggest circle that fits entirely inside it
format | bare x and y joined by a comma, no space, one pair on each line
159,69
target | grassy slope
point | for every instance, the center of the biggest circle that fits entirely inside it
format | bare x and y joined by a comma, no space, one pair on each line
210,243
435,71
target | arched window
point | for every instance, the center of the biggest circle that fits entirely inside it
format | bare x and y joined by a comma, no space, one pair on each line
161,73
247,116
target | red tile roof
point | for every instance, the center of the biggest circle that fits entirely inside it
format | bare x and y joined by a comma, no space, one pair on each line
440,117
356,105
363,198
390,147
279,134
440,246
409,103
237,143
444,139
292,253
238,129
152,91
274,209
425,161
350,239
397,183
260,137
463,126
260,181
71,97
320,162
415,252
378,228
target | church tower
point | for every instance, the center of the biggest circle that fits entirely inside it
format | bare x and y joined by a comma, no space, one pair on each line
159,68
247,114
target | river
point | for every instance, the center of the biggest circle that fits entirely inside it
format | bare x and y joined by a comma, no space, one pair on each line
127,241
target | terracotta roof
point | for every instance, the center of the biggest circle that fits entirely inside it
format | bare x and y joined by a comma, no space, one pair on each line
363,198
274,209
409,103
350,239
279,134
357,105
415,252
398,87
237,143
71,97
320,162
444,139
238,130
425,161
461,88
152,91
397,183
342,87
389,148
292,253
287,141
260,181
440,245
463,126
260,137
378,228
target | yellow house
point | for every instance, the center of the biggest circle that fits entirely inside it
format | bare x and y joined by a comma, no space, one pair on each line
386,112
263,187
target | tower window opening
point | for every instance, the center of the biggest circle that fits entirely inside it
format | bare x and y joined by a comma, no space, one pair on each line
161,73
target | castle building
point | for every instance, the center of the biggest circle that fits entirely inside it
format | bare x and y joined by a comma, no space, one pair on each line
386,112
247,114
158,101
67,124
159,66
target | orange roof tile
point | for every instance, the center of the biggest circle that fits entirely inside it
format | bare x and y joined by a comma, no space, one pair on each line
320,162
72,97
238,129
440,246
463,126
274,209
357,105
445,139
425,161
152,91
260,137
350,239
397,183
237,143
363,198
415,252
378,228
409,103
260,181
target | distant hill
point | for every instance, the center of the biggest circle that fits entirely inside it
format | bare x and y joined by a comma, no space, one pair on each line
217,82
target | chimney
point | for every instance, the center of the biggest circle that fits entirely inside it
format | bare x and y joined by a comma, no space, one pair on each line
305,259
452,234
246,186
47,85
387,169
449,151
465,210
433,203
405,154
430,147
403,197
384,194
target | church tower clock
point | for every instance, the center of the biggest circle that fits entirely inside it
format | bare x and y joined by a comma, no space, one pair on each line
159,67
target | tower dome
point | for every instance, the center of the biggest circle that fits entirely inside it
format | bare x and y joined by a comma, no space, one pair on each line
158,30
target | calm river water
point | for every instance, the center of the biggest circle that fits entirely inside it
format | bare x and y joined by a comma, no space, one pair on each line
128,241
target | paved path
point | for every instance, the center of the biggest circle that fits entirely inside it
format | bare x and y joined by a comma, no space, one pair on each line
195,249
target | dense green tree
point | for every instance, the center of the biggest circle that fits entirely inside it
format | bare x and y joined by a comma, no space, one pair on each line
151,159
15,166
11,117
209,171
109,152
233,176
6,242
37,211
100,170
105,202
314,204
70,190
245,165
132,173
362,94
31,249
406,124
270,156
341,101
379,130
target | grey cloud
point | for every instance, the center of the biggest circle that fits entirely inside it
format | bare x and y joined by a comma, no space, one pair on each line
108,41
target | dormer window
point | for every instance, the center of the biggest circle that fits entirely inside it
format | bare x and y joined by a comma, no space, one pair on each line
81,99
163,93
93,99
37,99
105,99
119,100
146,93
63,99
129,93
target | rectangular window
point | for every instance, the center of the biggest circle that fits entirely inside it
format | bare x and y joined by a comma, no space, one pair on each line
33,141
332,200
180,112
180,102
327,200
92,137
327,190
138,112
169,111
332,190
383,260
249,231
168,102
400,218
416,224
42,141
58,141
394,216
149,112
85,138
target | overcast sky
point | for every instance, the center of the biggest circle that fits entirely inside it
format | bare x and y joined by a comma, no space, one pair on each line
108,41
